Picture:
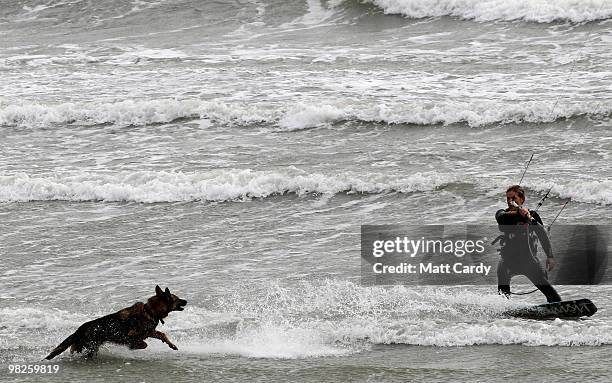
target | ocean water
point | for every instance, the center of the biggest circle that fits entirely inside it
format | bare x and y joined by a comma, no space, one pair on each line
230,150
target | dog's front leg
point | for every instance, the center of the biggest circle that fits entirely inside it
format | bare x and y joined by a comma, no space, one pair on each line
164,338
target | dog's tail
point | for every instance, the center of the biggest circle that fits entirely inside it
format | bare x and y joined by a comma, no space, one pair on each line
61,348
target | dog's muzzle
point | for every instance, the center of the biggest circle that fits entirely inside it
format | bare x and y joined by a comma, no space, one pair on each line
181,304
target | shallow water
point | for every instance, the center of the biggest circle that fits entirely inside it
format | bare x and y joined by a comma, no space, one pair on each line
231,151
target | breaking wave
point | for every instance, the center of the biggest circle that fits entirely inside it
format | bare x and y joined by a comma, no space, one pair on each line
540,11
295,117
599,192
246,184
219,185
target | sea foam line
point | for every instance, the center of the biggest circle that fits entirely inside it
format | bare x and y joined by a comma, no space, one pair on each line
540,11
218,185
294,116
595,191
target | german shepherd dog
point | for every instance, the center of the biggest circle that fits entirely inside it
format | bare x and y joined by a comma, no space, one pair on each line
129,327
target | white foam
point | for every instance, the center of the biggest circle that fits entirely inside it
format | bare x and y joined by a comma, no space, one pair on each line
269,341
316,14
74,55
474,114
501,331
599,192
129,112
141,53
34,318
315,316
310,116
293,116
329,318
44,60
220,185
541,11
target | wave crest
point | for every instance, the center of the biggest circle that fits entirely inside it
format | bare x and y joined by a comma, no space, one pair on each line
294,117
218,185
540,11
599,192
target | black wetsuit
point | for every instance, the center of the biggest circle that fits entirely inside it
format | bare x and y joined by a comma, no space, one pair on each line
519,252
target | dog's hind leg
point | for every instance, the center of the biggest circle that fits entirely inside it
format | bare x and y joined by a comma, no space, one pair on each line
91,350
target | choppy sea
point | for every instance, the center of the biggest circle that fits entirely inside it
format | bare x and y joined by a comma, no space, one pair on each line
231,150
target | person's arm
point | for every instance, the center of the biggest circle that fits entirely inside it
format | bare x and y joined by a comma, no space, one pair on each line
505,217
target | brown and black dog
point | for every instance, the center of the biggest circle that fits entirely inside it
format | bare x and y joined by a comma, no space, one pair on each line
130,326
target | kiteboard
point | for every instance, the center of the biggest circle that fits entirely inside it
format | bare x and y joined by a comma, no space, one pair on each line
564,309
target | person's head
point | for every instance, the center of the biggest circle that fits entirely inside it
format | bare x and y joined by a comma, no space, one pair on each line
515,193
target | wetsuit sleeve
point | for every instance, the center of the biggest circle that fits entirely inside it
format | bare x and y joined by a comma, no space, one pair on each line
505,218
542,234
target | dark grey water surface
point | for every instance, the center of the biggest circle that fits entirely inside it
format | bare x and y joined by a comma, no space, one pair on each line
231,151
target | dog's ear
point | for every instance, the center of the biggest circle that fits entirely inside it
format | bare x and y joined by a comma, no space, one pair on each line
158,290
167,291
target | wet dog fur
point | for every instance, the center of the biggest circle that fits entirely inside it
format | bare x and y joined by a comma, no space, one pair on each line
129,327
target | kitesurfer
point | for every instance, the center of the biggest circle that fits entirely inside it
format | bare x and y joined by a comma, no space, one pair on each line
521,229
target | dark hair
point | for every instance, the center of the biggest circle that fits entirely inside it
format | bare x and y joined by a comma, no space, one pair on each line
518,189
